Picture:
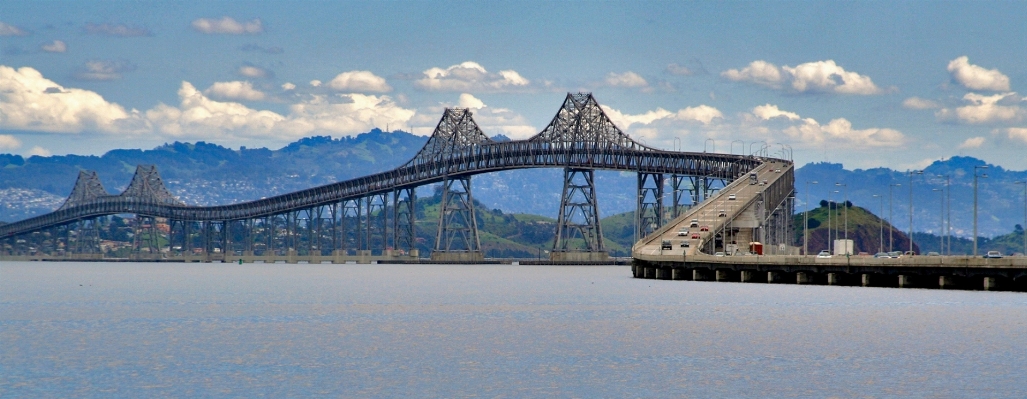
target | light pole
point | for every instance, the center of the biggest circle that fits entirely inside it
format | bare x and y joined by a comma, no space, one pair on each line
733,146
891,228
941,203
911,173
805,222
975,202
1023,227
707,141
830,241
845,209
880,235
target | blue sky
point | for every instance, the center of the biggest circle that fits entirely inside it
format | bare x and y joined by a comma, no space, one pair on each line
865,84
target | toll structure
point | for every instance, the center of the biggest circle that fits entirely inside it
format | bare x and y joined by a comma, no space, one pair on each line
373,217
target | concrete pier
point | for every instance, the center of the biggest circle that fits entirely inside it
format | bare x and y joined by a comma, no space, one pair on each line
747,276
904,281
773,277
723,275
803,278
832,279
990,283
946,282
700,275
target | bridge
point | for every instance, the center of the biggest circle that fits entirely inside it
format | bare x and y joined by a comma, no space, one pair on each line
372,217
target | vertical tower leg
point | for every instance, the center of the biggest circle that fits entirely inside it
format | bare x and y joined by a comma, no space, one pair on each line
649,210
457,236
578,220
403,205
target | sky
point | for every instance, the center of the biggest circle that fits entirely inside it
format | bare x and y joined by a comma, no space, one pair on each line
865,84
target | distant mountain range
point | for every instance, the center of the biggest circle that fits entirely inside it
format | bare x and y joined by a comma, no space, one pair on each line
209,174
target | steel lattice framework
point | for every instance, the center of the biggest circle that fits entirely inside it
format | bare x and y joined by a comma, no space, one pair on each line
580,136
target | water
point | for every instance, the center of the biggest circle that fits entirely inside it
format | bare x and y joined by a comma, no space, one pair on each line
214,330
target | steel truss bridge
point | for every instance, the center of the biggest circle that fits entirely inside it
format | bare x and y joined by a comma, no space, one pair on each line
375,214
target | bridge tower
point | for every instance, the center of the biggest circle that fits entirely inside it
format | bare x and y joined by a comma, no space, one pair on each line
404,208
649,209
578,219
458,228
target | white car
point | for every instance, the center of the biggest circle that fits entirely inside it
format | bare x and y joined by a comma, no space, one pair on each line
731,197
683,232
824,254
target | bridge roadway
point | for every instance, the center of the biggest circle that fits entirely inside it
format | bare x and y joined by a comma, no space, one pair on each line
776,174
580,136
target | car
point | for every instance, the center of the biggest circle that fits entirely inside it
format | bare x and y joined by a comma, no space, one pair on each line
695,236
895,254
718,254
731,197
704,228
666,245
824,254
683,231
993,255
721,213
932,253
694,223
685,244
909,253
882,255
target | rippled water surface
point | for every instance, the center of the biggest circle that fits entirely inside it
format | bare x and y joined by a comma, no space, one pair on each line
216,330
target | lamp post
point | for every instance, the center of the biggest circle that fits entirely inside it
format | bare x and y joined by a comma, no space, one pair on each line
941,203
805,222
845,210
830,241
707,141
975,202
880,235
1023,227
891,228
911,173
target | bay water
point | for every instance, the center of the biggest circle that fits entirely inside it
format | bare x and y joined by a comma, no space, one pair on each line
137,330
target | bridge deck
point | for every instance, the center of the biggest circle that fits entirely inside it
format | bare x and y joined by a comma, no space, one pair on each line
707,214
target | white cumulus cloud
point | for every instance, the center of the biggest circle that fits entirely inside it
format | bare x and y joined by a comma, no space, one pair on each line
235,90
840,131
1017,133
251,71
703,114
769,111
680,70
117,30
228,26
919,103
626,79
973,142
11,30
28,101
818,76
997,108
8,142
288,86
975,77
38,151
469,76
359,81
469,101
55,46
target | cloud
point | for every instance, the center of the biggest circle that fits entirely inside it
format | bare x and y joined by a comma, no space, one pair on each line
104,70
359,81
116,30
55,46
469,101
1017,133
255,72
234,90
8,142
38,151
261,49
840,132
977,78
28,101
315,83
819,76
626,79
492,120
998,108
703,114
11,30
919,103
680,70
469,77
972,142
759,71
288,86
768,111
228,26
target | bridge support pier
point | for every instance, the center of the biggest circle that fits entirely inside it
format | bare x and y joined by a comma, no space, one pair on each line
678,274
773,277
457,235
990,283
946,282
578,219
649,208
747,276
803,278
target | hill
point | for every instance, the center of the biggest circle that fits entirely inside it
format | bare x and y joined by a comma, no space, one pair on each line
868,232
